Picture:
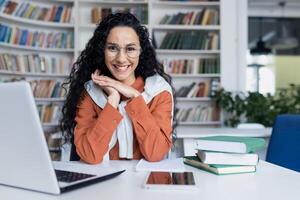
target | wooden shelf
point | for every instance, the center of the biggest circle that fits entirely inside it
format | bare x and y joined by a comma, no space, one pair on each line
185,3
54,99
37,22
29,74
166,27
193,99
50,124
114,2
199,123
93,26
53,149
29,48
185,51
195,75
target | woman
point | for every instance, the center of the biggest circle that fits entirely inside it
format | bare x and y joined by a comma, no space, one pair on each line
119,104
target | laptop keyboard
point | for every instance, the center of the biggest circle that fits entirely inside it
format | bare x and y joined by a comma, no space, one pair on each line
68,177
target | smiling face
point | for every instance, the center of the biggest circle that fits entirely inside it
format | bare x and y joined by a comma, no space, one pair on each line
120,53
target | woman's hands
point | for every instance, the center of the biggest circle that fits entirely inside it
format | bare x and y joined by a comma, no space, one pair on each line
114,88
113,95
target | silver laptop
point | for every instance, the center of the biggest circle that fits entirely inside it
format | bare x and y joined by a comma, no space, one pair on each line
25,159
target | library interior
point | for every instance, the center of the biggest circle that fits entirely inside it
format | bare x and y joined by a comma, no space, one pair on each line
220,98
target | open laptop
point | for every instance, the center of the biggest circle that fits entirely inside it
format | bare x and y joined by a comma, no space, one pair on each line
25,158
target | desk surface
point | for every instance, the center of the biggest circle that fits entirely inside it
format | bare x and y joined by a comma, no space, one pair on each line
269,182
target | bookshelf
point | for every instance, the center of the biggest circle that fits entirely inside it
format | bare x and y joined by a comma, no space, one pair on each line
37,45
84,19
224,28
185,23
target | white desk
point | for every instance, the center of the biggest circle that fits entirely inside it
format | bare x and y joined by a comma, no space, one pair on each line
270,182
190,138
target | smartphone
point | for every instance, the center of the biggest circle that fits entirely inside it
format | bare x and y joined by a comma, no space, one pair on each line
170,180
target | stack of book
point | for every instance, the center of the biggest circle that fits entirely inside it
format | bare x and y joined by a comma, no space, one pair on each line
226,154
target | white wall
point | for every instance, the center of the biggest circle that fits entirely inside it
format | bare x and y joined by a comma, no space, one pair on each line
234,28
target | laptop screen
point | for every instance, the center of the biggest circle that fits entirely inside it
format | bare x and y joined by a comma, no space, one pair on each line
23,148
26,161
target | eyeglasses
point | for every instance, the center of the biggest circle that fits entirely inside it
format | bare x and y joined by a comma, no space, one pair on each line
131,51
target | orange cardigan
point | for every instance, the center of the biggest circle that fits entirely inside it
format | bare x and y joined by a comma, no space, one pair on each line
151,122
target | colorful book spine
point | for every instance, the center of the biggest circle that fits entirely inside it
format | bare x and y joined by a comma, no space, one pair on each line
47,88
35,63
197,114
99,13
25,37
29,10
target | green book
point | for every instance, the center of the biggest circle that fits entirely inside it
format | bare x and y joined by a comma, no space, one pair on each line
165,41
232,144
194,161
174,42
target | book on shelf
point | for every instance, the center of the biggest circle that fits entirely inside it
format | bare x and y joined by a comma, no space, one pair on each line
184,90
49,113
224,158
209,66
29,10
55,155
35,63
58,13
231,144
192,40
178,66
204,16
205,88
194,161
209,17
213,41
96,15
99,13
197,114
54,140
17,36
47,88
9,7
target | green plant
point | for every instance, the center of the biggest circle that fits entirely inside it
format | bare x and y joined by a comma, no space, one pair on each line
257,108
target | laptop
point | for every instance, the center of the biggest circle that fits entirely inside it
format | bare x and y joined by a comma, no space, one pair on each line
25,158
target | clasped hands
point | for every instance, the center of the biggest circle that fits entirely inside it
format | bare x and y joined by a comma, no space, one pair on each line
113,88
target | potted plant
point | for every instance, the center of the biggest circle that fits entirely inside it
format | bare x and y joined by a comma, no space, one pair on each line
253,107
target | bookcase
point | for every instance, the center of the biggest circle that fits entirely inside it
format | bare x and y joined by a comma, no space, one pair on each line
200,43
37,45
184,43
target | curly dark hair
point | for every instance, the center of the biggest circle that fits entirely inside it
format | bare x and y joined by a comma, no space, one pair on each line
92,58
